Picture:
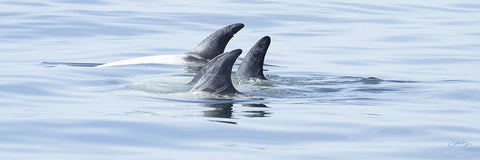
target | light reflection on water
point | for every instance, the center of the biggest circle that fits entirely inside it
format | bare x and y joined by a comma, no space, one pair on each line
347,81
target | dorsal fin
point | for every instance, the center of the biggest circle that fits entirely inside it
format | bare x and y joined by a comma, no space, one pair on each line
210,47
252,64
215,43
216,76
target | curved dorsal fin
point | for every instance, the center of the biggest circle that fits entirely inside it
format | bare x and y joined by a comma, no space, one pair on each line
215,43
216,76
252,64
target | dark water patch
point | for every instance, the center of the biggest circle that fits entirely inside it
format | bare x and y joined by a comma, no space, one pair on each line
256,114
253,110
231,109
371,80
255,105
223,121
220,110
230,112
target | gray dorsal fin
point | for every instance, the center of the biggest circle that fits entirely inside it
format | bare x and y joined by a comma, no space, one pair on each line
252,64
215,43
216,76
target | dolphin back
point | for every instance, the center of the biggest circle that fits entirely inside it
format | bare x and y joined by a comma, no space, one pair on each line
215,77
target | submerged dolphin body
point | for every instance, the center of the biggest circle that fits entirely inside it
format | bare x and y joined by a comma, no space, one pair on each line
216,77
208,49
252,63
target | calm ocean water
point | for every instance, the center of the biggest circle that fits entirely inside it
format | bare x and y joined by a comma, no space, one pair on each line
349,80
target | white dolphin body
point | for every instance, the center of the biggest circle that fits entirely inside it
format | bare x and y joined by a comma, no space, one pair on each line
158,59
208,49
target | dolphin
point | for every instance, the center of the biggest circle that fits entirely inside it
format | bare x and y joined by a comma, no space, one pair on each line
216,77
252,63
208,49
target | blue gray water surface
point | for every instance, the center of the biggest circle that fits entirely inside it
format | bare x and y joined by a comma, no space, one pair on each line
348,80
